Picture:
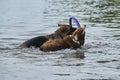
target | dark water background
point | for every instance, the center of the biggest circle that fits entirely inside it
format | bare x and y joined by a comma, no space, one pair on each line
24,19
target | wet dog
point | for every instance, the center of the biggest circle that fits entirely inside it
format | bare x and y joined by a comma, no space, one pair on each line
61,32
76,40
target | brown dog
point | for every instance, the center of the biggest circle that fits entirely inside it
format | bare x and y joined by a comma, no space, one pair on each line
61,32
71,41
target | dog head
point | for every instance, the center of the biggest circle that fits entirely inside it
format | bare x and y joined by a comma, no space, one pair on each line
65,29
79,34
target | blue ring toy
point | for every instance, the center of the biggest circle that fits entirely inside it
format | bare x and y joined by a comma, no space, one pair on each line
75,20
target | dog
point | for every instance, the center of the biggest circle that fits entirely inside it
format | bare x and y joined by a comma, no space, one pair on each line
61,32
76,40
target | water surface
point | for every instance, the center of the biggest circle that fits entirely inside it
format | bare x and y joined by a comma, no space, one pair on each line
22,19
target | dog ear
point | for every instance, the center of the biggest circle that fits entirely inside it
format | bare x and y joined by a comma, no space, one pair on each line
84,26
59,25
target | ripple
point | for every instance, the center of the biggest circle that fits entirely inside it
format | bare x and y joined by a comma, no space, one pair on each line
97,59
106,61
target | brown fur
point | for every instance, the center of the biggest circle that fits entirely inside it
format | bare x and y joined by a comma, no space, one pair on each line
66,42
61,32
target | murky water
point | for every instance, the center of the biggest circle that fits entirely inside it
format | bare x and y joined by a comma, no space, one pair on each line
23,19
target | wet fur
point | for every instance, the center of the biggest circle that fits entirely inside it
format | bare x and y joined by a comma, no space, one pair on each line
66,42
64,30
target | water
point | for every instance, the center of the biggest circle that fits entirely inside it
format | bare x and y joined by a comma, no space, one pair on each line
22,19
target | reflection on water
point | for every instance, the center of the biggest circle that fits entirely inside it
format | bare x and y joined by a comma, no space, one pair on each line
98,59
108,12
